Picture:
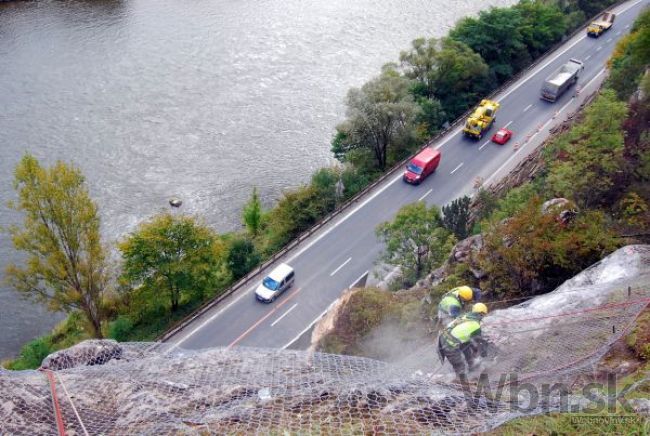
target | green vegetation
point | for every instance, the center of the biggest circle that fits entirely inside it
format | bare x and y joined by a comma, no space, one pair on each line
65,266
367,309
170,260
415,241
455,217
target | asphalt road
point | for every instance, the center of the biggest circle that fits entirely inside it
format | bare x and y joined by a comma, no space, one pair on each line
336,256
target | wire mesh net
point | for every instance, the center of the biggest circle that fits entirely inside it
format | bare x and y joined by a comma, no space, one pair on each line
102,387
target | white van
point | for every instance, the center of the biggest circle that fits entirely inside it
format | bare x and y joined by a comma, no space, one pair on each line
278,281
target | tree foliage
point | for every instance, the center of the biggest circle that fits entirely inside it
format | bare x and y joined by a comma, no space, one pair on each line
65,265
242,257
380,118
631,57
532,252
509,38
586,164
252,214
171,258
415,240
448,74
455,217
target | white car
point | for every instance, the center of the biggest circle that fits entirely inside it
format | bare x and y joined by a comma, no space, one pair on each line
278,281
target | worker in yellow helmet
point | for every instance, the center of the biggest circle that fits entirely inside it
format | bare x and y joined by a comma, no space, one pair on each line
453,302
460,342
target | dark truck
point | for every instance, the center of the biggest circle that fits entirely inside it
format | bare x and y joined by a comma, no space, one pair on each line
558,82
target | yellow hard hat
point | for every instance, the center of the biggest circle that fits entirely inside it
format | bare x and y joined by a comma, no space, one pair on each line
465,293
480,308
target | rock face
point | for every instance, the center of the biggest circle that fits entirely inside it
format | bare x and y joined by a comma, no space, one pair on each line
87,353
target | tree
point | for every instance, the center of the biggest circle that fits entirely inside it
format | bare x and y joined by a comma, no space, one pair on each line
631,58
66,264
496,36
415,240
533,252
173,255
542,25
252,214
447,71
455,217
242,257
589,161
380,118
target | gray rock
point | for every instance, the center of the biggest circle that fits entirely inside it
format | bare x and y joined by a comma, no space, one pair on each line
462,251
87,353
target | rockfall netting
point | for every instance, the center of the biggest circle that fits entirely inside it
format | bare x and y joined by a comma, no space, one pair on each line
102,387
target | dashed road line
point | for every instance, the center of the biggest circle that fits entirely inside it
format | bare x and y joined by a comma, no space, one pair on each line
587,57
284,314
457,168
609,40
506,126
424,196
484,144
339,268
528,107
262,319
599,48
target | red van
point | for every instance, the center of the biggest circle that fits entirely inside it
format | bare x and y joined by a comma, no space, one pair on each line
421,166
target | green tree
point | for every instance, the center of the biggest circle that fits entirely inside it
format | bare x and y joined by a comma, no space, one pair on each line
242,257
445,71
65,263
631,58
532,252
415,240
252,214
542,25
586,163
174,257
455,217
380,118
496,36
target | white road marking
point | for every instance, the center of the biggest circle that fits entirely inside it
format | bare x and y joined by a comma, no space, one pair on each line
506,126
457,168
342,265
398,177
484,144
311,324
284,314
424,196
618,33
609,40
528,107
599,48
587,57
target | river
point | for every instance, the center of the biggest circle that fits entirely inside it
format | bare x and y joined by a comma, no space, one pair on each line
201,100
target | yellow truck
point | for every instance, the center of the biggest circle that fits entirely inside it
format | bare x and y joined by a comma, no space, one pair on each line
481,119
601,25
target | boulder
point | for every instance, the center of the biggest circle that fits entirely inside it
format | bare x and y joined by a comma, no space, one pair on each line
462,251
566,210
87,353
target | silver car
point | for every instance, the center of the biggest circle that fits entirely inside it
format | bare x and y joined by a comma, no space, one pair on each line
278,281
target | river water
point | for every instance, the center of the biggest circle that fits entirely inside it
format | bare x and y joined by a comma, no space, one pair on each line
201,100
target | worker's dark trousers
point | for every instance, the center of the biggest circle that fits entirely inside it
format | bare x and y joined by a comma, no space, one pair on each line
460,358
